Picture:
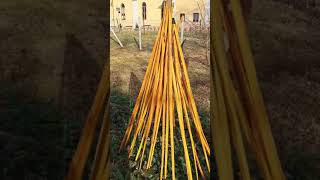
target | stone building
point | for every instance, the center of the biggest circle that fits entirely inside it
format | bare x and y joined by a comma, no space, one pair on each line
128,13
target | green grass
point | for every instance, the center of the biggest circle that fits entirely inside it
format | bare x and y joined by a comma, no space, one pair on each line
31,135
285,44
124,168
129,59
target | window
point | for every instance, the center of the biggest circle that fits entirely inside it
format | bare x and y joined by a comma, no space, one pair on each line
123,12
144,11
182,17
195,17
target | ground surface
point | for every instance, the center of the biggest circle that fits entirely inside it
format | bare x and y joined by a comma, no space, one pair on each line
49,46
128,60
285,44
48,51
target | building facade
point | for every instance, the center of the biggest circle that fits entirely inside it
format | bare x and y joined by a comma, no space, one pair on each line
129,13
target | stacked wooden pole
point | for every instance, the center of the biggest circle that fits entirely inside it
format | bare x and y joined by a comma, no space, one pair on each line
165,90
100,166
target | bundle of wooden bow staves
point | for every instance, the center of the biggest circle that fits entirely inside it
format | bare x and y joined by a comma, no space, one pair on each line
165,90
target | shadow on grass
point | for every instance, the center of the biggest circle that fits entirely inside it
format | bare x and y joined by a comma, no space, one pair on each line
123,168
31,138
36,139
119,116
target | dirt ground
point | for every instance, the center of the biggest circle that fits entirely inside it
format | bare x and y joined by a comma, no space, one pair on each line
129,62
51,55
286,48
52,52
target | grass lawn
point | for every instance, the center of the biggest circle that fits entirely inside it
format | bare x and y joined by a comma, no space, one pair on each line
35,137
127,60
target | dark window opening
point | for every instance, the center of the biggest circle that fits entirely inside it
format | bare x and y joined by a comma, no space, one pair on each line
182,17
195,17
123,12
144,11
